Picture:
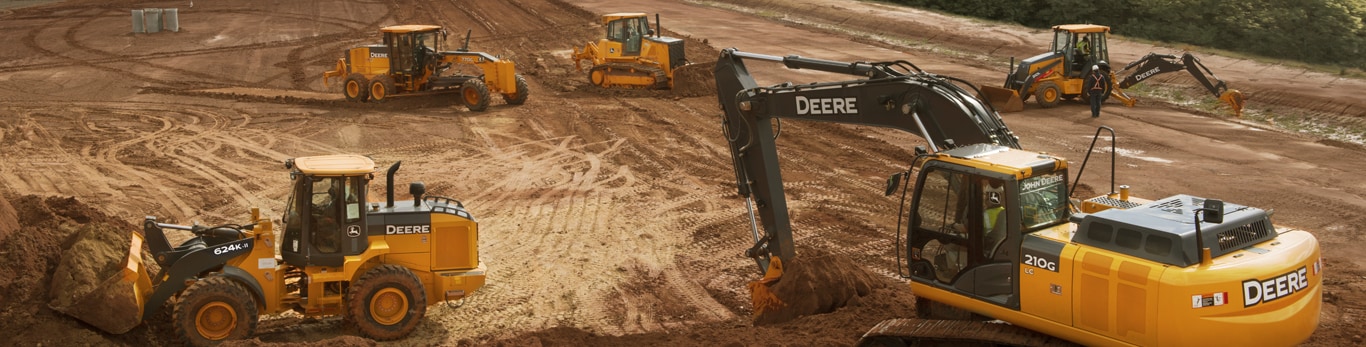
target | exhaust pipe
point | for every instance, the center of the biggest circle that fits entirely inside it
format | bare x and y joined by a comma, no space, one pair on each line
389,184
658,29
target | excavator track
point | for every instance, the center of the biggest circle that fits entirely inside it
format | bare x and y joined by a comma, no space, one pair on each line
937,332
625,71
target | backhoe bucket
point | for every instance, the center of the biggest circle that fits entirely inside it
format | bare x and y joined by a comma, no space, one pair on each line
1003,99
1234,99
113,304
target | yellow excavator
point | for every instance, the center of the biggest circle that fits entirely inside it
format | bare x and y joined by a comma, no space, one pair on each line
991,232
632,55
412,61
379,266
1058,74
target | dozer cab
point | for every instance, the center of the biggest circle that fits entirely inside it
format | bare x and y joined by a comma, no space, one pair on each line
378,264
632,55
1059,74
412,61
990,231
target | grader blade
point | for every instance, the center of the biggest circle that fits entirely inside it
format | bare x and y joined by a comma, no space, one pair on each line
107,296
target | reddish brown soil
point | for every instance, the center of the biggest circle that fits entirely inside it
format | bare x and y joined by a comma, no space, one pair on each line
607,217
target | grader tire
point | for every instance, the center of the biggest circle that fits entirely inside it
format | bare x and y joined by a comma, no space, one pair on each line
475,94
519,97
356,88
386,303
381,88
214,310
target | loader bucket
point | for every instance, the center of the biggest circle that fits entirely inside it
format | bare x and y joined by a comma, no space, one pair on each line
1003,99
114,303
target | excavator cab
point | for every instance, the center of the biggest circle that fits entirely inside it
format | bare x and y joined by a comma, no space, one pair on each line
325,217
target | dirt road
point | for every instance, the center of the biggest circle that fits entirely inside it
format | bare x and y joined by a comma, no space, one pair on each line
607,218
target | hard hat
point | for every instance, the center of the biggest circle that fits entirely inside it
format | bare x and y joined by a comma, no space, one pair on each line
1095,67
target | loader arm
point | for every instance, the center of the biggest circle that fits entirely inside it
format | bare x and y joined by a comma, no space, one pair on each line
891,94
1156,64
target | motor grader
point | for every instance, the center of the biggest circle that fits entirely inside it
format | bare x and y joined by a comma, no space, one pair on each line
992,233
1059,74
412,61
379,266
634,56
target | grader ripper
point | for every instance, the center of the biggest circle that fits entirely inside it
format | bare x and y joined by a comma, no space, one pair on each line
411,61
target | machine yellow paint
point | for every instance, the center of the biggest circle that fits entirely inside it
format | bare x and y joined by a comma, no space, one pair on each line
629,57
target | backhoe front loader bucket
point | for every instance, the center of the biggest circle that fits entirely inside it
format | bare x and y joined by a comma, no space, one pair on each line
113,303
1003,99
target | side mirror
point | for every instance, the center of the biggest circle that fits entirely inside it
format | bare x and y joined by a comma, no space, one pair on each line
892,182
1214,211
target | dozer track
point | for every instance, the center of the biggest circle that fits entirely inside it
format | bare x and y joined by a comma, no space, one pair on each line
626,71
937,332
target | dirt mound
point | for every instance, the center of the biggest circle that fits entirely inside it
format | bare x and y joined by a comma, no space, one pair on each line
817,282
339,341
9,220
86,284
49,228
695,80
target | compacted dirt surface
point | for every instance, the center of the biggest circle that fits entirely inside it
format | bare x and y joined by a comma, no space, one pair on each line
607,217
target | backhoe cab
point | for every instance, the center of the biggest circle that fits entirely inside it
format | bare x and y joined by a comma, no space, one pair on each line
379,265
412,60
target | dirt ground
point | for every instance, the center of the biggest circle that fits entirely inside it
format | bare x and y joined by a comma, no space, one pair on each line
607,217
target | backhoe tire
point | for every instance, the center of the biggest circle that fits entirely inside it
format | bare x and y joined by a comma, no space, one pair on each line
356,88
382,88
214,310
519,97
1048,94
387,302
475,94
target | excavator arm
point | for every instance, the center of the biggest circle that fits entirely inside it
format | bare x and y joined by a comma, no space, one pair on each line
1155,64
895,95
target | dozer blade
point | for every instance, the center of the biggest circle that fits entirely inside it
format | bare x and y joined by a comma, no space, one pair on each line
1002,99
695,79
113,304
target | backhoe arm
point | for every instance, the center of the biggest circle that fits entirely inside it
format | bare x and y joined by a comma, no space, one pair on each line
1155,64
894,95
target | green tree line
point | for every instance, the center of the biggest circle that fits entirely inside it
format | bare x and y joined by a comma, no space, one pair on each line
1313,31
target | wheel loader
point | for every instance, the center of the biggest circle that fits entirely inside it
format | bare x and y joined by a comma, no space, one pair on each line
991,231
378,265
412,61
1059,74
634,56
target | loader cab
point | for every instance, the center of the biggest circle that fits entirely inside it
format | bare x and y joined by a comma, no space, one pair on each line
1081,46
412,48
968,219
628,29
325,216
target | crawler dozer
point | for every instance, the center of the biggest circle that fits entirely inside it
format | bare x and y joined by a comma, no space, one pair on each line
991,232
412,61
633,56
378,265
1059,74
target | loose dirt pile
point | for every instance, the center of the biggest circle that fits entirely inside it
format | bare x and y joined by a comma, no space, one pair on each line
817,282
9,221
86,284
340,341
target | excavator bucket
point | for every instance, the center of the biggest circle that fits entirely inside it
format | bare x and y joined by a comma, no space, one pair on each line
763,298
1003,99
107,296
1234,99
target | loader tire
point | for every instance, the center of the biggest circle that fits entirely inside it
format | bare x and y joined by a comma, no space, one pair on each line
386,303
519,97
1048,94
214,310
355,88
381,88
475,94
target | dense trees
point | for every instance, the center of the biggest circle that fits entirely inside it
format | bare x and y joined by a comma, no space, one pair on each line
1315,31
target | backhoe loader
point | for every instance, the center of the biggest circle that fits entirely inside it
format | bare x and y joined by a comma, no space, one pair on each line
992,233
412,61
1058,74
379,266
632,55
